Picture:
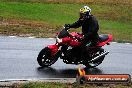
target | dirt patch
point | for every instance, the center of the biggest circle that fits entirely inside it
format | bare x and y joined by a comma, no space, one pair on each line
19,22
27,28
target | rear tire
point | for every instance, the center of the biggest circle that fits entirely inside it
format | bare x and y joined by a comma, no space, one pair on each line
45,59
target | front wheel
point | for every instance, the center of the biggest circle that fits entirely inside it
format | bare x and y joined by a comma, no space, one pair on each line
45,58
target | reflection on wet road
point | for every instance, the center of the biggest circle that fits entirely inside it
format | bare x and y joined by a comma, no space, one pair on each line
65,73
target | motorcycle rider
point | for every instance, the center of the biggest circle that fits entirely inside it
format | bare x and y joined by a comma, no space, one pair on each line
89,25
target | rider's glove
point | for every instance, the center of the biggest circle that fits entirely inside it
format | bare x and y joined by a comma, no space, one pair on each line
67,26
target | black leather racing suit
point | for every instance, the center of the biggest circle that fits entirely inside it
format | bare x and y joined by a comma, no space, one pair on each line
90,28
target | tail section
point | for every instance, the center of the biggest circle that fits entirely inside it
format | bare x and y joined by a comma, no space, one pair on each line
104,39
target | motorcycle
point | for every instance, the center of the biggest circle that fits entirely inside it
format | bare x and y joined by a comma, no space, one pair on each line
68,47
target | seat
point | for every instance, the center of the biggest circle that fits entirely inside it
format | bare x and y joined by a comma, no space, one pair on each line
103,37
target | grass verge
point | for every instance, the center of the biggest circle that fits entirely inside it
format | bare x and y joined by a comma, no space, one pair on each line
66,85
42,18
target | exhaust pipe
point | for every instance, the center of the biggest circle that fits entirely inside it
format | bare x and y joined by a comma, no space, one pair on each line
100,56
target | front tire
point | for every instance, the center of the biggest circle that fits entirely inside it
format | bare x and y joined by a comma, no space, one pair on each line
45,58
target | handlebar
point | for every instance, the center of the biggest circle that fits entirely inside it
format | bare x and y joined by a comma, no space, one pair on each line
66,28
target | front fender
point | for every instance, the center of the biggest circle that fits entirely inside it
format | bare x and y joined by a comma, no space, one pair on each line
54,49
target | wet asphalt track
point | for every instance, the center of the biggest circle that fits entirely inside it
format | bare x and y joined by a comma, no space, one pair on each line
18,60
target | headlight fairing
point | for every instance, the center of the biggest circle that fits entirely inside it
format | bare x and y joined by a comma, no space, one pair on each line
58,40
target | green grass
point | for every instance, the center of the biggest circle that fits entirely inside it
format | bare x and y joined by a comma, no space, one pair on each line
114,17
121,32
43,85
69,85
61,13
51,13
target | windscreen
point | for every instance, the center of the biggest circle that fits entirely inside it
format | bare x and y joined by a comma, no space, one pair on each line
63,34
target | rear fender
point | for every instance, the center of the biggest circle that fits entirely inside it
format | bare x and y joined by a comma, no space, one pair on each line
54,49
105,42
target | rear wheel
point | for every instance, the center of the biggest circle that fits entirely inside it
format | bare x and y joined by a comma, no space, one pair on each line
97,62
45,58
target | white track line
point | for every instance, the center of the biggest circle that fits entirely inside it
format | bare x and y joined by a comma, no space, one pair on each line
50,38
128,43
113,42
12,36
42,79
31,37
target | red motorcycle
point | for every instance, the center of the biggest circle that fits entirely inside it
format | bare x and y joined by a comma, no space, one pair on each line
68,47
